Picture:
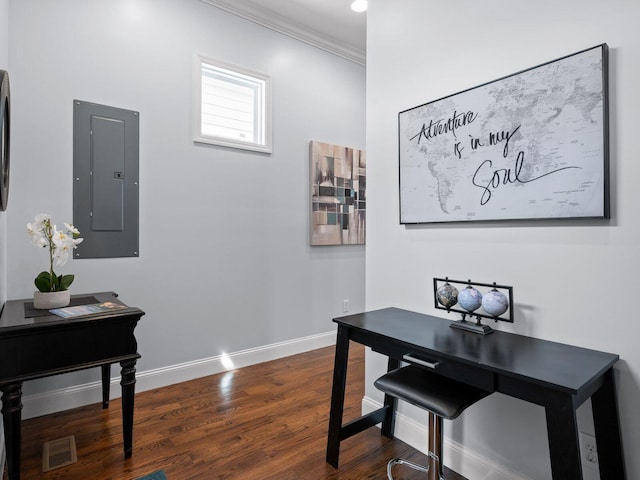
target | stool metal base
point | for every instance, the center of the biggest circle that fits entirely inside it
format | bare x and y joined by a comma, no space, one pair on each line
400,461
434,469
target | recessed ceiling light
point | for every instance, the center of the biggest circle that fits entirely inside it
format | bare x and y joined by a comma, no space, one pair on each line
359,6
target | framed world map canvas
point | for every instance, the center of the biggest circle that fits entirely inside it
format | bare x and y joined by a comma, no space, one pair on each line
532,145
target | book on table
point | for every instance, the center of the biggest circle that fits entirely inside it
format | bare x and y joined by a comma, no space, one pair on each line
79,310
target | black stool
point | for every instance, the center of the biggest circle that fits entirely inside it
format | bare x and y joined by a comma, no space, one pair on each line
441,396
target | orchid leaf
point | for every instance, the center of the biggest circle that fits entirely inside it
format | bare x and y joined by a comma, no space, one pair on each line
43,282
66,281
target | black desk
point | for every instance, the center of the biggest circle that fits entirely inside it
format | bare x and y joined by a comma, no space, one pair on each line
556,376
40,346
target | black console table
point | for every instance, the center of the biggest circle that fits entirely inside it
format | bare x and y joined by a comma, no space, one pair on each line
556,376
36,344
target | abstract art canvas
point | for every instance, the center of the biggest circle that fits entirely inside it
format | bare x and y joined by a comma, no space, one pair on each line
338,194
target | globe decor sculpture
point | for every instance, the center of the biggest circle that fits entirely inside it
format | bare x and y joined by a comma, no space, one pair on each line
474,300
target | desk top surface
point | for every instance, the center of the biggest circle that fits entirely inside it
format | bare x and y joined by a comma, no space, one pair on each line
17,317
541,361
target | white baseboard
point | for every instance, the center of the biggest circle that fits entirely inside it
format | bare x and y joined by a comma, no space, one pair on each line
71,397
456,457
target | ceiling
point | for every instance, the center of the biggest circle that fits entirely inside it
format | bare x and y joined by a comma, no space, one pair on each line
327,24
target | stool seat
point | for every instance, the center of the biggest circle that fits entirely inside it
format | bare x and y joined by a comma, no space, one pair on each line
423,388
441,396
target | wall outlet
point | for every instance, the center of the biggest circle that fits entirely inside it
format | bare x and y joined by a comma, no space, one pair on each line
345,306
588,450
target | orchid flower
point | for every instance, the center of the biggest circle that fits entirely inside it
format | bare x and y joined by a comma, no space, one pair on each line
43,233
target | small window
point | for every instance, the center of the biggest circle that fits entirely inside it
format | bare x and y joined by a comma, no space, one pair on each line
232,106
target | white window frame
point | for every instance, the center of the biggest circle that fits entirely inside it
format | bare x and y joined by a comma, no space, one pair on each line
263,121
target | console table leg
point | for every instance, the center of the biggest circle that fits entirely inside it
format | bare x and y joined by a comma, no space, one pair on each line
607,427
562,431
388,424
11,417
128,383
106,381
337,396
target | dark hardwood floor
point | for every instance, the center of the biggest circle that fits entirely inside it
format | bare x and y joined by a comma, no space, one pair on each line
267,421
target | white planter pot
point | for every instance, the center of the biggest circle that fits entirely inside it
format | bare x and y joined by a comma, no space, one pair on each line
47,300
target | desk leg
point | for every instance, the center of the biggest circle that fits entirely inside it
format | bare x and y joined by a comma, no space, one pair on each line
11,417
128,383
106,381
607,426
562,430
390,403
337,396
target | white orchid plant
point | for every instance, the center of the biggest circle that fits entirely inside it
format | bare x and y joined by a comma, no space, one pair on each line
43,233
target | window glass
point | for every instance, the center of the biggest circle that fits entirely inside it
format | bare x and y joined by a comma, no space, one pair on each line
232,106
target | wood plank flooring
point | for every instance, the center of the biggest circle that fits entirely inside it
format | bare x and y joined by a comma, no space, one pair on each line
263,422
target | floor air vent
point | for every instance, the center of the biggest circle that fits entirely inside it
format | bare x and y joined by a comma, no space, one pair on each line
58,453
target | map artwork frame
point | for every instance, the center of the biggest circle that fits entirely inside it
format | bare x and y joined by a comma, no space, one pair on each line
530,145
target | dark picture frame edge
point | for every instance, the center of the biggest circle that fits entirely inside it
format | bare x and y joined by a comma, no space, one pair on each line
5,138
606,204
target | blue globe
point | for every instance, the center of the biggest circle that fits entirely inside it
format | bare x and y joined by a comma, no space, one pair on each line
495,303
470,299
447,295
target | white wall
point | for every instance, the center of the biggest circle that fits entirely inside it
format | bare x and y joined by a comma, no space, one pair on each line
4,65
574,281
224,262
4,34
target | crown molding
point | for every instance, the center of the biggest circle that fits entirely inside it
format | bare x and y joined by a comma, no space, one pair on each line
286,26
